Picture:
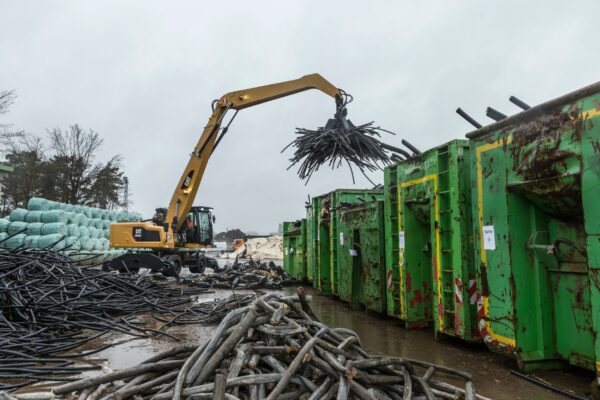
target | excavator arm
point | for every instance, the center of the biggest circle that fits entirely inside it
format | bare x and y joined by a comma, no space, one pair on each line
190,180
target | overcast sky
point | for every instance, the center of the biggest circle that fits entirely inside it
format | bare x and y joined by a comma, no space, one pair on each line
143,74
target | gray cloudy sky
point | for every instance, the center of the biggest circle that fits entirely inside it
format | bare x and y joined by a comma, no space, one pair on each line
143,74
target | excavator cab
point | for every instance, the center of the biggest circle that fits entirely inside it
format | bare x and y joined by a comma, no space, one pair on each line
197,229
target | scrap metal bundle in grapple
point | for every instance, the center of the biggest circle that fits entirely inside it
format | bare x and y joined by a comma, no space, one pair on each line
49,307
276,348
247,275
341,141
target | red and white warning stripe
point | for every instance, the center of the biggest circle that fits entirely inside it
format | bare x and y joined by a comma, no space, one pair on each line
389,279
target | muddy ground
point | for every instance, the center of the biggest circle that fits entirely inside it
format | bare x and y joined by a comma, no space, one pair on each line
379,335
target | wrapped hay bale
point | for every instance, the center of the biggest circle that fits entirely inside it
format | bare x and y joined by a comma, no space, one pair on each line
4,223
54,216
73,230
33,216
54,241
83,220
93,232
103,244
84,232
85,210
59,228
35,228
17,227
112,216
86,243
96,212
98,223
3,236
71,217
72,243
69,208
98,245
32,241
38,204
106,224
105,214
53,205
18,214
15,241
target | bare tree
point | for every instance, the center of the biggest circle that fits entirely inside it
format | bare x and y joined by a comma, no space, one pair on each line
74,162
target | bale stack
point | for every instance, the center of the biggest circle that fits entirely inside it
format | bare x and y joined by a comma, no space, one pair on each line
82,232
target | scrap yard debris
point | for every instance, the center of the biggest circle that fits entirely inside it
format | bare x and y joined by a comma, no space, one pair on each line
49,307
274,348
246,275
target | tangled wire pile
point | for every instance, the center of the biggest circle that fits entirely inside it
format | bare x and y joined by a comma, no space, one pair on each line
275,348
48,307
247,275
340,140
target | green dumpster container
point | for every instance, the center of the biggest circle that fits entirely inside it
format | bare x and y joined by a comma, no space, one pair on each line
311,241
361,256
536,185
294,249
340,198
431,271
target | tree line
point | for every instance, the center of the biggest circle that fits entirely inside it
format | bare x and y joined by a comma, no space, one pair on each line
62,166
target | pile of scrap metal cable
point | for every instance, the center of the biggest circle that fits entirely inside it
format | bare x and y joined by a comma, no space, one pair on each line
275,348
49,307
341,141
245,275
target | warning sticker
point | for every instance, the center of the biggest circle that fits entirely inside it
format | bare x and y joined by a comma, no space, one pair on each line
401,239
353,253
489,238
341,238
389,279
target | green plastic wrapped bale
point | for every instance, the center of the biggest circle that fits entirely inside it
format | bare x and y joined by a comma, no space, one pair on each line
62,206
17,227
73,230
107,234
87,211
18,214
59,228
54,216
72,243
113,216
32,242
4,223
35,228
96,212
3,235
33,216
104,214
106,224
84,232
87,244
83,220
54,242
98,223
53,205
71,217
98,245
93,232
38,204
15,241
69,208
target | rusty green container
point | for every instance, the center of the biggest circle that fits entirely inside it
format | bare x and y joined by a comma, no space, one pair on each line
294,249
337,199
429,239
361,256
536,193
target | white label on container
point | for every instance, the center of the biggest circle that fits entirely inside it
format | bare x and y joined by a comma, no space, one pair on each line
341,238
401,239
318,233
489,238
353,253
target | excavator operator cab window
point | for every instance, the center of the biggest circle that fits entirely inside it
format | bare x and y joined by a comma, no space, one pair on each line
198,227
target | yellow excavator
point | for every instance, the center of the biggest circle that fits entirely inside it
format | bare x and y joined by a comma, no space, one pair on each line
176,235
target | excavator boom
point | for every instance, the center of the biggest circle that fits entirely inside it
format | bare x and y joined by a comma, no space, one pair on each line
167,235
